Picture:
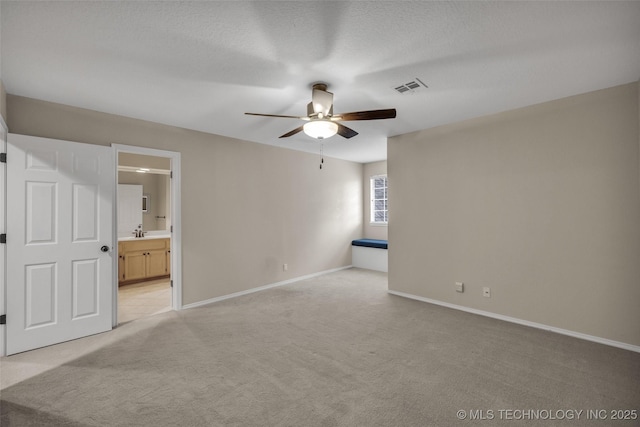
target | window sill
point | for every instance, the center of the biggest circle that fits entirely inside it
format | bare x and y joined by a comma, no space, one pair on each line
379,224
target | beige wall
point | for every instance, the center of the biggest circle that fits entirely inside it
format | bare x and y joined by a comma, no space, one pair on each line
246,208
3,102
541,204
372,231
143,161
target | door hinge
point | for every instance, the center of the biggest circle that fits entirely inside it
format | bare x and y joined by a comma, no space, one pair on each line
3,319
3,157
172,283
3,238
170,174
172,228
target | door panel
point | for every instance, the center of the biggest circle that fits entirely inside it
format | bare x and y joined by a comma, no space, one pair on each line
42,158
40,290
59,213
85,288
40,211
85,212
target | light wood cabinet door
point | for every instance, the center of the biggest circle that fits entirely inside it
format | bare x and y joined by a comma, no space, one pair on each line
120,268
156,263
120,262
135,265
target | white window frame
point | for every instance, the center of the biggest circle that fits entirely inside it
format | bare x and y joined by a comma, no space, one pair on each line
372,203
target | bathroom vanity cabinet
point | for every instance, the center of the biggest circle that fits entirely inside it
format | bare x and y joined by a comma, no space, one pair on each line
143,259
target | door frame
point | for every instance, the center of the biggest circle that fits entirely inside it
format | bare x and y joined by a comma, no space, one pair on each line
176,235
4,132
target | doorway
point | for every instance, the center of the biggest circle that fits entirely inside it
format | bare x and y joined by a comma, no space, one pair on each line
147,232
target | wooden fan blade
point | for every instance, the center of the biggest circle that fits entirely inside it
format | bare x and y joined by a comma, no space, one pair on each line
278,115
345,131
367,115
293,132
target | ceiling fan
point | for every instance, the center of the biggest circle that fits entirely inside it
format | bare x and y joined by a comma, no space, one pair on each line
322,123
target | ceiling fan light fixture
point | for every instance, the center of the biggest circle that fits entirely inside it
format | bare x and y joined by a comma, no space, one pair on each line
322,123
320,129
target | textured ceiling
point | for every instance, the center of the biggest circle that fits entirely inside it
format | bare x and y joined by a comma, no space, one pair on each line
201,65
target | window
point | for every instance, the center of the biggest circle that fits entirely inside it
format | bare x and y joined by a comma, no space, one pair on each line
379,208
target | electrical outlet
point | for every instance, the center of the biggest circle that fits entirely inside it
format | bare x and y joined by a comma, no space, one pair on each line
459,287
285,267
486,292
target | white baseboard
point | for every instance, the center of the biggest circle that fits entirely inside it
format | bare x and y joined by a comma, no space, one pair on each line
561,331
263,288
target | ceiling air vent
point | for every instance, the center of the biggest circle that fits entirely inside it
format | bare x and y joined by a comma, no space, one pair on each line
413,86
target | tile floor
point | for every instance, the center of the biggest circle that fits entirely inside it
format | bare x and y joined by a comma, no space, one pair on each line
143,299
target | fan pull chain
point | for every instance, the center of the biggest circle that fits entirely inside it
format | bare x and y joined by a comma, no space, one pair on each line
321,154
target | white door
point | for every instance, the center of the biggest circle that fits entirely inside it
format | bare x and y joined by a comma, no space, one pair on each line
59,241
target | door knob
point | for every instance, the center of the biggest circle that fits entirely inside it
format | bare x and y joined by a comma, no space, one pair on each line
105,248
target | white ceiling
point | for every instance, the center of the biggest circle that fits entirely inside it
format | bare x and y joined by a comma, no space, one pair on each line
201,65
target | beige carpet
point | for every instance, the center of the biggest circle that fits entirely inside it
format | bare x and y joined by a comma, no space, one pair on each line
331,351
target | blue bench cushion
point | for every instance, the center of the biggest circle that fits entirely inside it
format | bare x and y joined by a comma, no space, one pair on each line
370,243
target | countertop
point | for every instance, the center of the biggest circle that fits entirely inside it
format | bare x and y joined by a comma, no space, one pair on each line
148,237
